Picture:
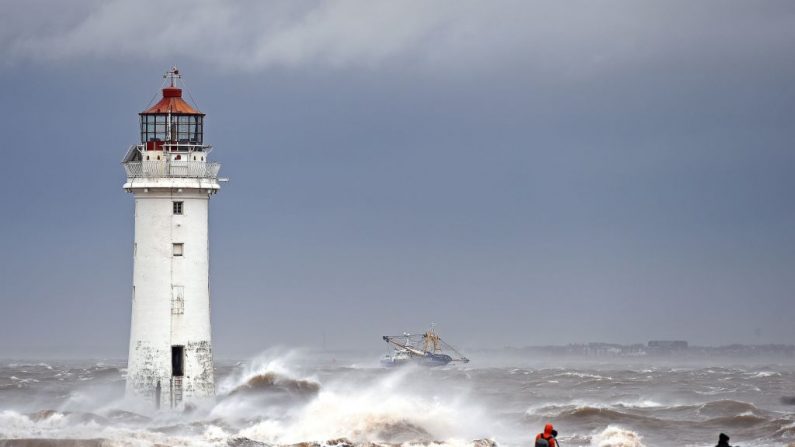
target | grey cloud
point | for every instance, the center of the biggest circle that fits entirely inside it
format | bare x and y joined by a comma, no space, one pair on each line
571,40
530,172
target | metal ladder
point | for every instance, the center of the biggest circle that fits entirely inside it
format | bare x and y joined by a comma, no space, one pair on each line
176,391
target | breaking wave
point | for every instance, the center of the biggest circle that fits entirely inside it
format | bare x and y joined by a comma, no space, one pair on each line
614,436
274,383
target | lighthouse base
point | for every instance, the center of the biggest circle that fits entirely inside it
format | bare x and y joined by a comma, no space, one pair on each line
170,376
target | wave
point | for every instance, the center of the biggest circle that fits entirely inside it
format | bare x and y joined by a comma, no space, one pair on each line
605,416
96,372
614,436
640,404
764,374
785,430
27,365
69,416
361,418
725,407
583,375
273,361
271,382
717,415
397,432
126,417
742,420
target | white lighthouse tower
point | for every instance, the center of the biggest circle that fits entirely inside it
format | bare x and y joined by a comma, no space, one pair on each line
168,172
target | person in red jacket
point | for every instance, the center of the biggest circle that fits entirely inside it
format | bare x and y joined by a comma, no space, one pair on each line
547,439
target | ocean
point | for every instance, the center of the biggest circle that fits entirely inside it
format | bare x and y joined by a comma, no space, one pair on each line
289,398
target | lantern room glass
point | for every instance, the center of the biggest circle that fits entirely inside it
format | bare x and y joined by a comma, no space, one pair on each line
185,129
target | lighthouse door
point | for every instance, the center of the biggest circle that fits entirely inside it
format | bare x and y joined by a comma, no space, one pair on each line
177,371
177,361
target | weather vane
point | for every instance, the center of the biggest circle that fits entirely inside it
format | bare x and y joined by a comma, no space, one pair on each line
172,75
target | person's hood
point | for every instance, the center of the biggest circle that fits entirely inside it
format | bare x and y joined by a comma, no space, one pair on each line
548,429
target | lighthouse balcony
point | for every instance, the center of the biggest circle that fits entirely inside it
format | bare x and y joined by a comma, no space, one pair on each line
172,169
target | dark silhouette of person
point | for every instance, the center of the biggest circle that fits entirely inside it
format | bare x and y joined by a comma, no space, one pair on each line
158,390
723,440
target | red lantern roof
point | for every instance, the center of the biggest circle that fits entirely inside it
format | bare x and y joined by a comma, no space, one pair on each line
172,102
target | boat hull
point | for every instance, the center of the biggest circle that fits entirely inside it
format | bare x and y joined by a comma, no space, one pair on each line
429,360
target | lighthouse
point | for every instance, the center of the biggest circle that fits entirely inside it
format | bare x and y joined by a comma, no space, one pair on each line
172,179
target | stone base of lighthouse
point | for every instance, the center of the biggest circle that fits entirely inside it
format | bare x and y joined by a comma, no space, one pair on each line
171,360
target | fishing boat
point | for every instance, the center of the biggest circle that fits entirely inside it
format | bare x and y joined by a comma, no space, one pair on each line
425,349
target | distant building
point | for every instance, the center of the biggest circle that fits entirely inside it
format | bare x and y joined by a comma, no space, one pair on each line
668,345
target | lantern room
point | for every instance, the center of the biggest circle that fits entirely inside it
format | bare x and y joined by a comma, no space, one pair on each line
172,124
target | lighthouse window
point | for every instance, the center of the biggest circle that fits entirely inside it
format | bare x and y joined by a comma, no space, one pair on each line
184,128
178,249
177,207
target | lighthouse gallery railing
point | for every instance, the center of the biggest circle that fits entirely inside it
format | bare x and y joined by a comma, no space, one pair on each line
161,168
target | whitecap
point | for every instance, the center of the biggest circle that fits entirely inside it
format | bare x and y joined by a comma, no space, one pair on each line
614,436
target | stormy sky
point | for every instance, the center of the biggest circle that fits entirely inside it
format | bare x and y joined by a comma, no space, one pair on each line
520,173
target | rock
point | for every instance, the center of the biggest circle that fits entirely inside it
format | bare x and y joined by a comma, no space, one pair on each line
341,442
305,444
245,442
126,416
484,443
54,443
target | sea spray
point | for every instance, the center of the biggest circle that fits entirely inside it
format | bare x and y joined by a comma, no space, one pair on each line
614,436
388,409
269,387
275,360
